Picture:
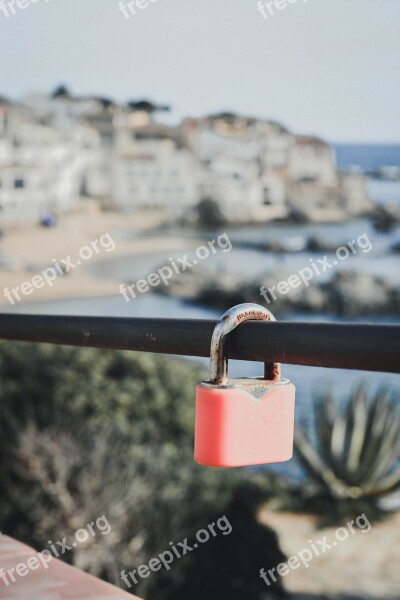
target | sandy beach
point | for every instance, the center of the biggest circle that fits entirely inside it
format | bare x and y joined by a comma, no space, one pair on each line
35,248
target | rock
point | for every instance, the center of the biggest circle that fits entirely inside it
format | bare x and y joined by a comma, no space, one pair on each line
395,248
299,298
385,217
315,244
352,294
347,293
298,216
209,213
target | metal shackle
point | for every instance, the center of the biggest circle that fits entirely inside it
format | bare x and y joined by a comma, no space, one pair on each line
231,319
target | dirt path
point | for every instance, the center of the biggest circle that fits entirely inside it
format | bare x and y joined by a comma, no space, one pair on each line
364,564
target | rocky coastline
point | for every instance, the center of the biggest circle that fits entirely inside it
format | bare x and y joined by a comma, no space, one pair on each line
346,294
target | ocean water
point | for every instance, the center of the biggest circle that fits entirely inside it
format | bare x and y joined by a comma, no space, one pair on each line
374,257
367,156
384,192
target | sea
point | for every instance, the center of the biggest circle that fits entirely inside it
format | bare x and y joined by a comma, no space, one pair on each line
367,157
311,382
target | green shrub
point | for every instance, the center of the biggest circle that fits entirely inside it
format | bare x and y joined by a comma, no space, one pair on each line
87,432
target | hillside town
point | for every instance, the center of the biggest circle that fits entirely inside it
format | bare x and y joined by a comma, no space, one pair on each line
57,151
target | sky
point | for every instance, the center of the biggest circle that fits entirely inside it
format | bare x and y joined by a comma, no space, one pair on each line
324,67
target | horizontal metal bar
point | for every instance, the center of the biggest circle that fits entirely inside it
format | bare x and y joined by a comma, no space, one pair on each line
344,346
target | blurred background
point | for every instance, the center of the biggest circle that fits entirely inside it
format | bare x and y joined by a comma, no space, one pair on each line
131,135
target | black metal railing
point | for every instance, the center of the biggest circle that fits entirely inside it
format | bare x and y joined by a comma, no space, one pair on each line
344,346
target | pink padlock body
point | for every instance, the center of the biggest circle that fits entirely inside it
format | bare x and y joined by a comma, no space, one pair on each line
233,428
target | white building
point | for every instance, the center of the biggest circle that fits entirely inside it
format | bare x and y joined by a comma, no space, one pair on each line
42,167
53,151
224,135
311,159
273,186
150,169
276,146
23,195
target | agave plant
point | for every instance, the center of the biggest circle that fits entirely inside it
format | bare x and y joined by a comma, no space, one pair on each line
357,450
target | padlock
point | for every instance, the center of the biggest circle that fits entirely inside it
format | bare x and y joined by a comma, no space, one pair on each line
247,421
